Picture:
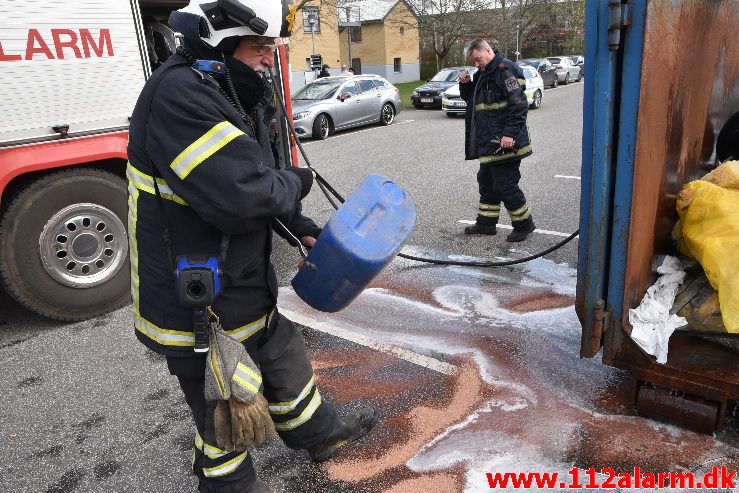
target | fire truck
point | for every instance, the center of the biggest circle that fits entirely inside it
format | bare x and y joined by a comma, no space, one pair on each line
71,74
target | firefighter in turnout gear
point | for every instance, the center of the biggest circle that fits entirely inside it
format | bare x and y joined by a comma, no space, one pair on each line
496,134
202,179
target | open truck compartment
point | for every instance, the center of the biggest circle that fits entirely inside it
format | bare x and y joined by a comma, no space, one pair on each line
661,109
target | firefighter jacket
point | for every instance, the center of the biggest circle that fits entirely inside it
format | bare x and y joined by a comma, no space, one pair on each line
217,177
496,107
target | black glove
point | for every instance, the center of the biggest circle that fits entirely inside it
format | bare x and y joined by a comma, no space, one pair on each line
306,180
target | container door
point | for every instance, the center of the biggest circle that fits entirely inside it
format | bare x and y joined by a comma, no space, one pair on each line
614,37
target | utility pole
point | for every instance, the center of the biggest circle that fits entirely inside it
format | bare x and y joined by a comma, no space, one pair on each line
349,30
312,22
518,26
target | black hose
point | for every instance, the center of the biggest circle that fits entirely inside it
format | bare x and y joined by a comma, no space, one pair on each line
326,188
492,263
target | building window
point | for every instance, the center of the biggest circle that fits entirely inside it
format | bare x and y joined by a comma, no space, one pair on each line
356,33
402,30
396,65
311,13
357,66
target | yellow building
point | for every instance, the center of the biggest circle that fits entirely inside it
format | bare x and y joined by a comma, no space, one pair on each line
316,31
384,38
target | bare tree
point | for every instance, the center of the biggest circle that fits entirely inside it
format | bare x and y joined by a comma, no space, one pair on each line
443,23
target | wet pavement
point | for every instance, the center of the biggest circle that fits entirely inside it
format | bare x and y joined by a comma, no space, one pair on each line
521,399
473,372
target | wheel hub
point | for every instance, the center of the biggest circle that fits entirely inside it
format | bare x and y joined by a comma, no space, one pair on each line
83,245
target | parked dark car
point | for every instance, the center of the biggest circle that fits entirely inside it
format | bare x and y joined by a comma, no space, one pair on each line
579,60
545,69
429,94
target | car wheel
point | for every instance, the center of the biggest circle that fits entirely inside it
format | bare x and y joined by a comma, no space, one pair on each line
567,78
417,106
579,76
387,114
555,81
321,127
64,247
536,103
451,115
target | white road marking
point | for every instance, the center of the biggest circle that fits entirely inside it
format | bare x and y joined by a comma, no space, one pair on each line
568,177
347,134
404,354
541,231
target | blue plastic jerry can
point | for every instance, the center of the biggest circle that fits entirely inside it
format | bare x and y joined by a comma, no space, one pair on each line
356,243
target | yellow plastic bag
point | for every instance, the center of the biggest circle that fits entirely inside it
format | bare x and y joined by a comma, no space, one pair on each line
709,222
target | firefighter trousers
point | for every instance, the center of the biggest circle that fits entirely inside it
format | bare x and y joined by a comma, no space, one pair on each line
302,418
498,182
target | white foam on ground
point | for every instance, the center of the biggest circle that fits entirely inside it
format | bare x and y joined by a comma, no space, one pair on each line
538,274
492,452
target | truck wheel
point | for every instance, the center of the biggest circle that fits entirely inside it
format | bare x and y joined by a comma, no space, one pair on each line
64,247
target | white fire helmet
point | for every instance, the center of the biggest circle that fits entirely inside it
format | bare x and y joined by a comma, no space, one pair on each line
236,18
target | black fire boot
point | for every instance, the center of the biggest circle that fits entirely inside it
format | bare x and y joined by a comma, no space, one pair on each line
521,234
347,430
480,229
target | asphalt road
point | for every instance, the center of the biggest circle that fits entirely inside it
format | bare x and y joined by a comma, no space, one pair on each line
472,370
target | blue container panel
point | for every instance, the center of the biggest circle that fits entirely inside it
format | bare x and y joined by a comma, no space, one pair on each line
596,196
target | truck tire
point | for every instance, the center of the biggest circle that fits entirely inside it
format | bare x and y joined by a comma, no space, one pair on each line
64,247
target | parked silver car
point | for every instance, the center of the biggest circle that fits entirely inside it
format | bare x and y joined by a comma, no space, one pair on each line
330,104
566,70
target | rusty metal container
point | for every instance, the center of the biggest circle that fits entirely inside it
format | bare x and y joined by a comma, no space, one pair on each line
661,108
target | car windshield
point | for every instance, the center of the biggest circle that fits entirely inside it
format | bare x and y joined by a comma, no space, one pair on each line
527,62
318,90
446,76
